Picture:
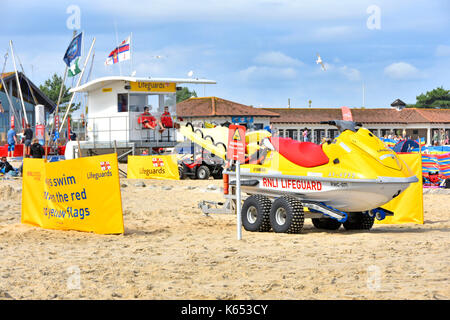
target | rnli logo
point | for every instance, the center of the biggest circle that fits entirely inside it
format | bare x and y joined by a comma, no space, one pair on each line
104,165
157,162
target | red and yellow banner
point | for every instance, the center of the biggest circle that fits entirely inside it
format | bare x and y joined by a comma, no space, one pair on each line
153,167
81,194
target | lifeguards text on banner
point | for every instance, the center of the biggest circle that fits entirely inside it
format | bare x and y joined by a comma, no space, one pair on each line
153,167
81,194
142,86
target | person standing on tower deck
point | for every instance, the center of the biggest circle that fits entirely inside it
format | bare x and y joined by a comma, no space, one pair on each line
166,118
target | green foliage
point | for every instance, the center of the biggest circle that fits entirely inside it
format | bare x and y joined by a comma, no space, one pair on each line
51,88
436,98
185,94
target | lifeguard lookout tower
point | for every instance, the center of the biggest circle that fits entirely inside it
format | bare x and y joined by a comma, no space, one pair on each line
114,105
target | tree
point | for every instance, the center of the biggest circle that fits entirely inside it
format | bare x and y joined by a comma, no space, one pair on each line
436,98
51,88
185,94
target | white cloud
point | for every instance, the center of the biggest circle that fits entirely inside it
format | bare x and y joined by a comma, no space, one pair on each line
401,71
264,73
443,51
350,73
278,59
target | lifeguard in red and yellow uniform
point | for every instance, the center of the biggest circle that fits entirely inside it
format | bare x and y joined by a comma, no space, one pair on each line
147,120
166,118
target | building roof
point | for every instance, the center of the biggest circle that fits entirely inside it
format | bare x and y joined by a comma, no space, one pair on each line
106,81
398,103
26,92
375,115
213,106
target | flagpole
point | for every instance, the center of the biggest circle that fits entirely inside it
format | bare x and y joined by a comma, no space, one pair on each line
78,84
131,53
6,89
18,82
118,45
58,102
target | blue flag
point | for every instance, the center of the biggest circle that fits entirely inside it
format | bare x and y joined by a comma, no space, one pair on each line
74,50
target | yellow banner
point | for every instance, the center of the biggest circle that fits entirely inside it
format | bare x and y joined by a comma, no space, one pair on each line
408,206
81,194
142,86
153,167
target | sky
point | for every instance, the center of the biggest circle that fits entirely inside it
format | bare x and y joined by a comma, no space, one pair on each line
260,52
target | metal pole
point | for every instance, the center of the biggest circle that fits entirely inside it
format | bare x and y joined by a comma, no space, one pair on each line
78,84
118,45
18,82
238,201
6,90
131,53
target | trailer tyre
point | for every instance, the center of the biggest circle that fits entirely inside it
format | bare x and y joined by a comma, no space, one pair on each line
286,215
203,173
255,213
181,172
359,221
218,174
326,223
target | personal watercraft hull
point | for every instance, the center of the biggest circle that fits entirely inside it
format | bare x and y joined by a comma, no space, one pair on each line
348,195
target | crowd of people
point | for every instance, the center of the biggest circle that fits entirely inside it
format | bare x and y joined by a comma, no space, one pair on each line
32,149
440,138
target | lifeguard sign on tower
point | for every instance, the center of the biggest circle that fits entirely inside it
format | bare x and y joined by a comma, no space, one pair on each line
115,105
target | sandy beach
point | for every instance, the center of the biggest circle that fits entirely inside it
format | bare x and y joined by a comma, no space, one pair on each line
170,250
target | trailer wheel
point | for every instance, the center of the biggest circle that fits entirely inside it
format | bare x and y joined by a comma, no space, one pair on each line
218,174
255,213
286,215
326,223
203,173
181,172
359,221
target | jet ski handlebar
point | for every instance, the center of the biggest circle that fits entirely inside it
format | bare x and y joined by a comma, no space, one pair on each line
343,125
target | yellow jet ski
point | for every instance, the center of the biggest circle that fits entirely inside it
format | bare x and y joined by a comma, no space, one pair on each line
344,181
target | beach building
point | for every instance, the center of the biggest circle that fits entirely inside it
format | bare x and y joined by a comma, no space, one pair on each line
28,89
218,111
291,122
115,108
412,122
